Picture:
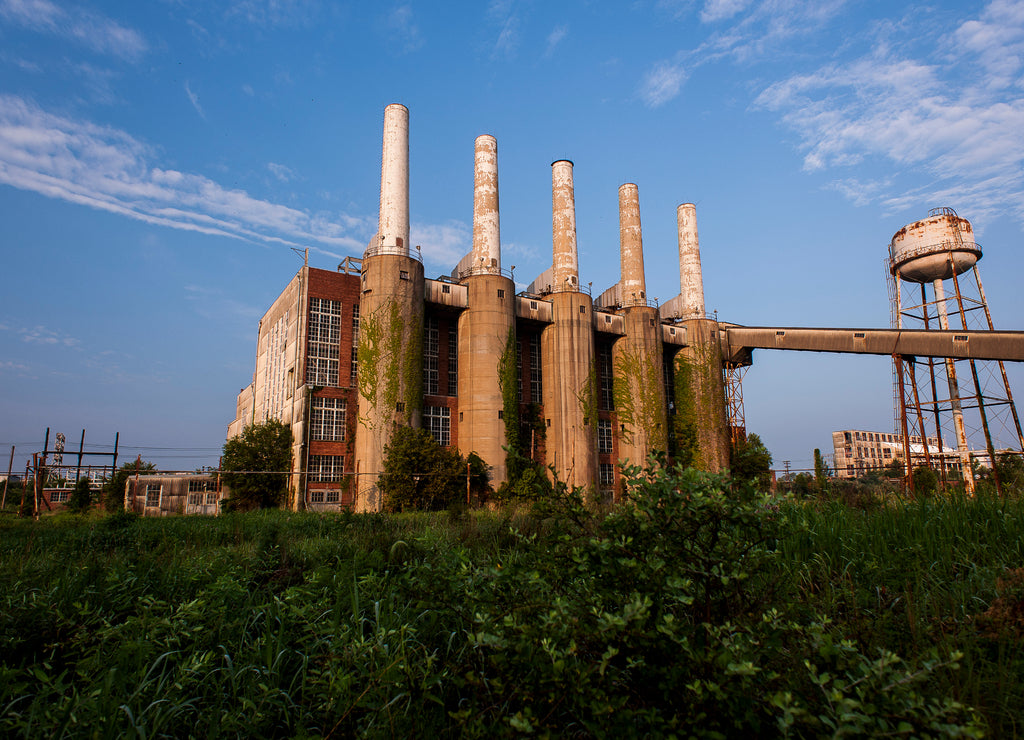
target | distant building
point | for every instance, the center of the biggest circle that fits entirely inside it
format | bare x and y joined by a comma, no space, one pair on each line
167,495
857,452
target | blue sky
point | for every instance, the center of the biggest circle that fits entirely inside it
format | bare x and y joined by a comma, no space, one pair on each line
160,160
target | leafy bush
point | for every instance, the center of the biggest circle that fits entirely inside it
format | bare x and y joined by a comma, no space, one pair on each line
419,474
256,465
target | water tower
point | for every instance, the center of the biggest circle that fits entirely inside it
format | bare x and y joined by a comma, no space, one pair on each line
944,414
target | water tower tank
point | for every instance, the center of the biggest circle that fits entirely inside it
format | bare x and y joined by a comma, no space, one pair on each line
934,248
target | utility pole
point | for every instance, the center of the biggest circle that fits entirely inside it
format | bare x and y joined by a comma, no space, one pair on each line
10,466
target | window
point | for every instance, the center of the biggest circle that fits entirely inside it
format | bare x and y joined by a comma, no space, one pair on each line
328,422
583,309
324,338
604,435
430,351
501,292
325,468
200,486
317,497
536,378
446,289
606,474
153,494
604,365
333,496
354,368
403,274
533,305
60,496
453,361
438,421
519,370
195,499
211,498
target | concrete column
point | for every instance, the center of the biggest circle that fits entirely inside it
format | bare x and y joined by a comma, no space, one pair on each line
565,270
631,247
701,421
963,448
391,320
691,282
486,227
393,226
487,326
637,356
567,349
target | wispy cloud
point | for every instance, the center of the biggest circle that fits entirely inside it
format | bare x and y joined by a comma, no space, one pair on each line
502,15
662,83
194,99
958,118
717,10
555,38
403,25
272,13
94,31
282,173
108,169
42,335
444,244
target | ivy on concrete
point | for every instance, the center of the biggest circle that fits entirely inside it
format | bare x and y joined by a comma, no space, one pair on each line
507,375
698,407
390,366
636,392
587,397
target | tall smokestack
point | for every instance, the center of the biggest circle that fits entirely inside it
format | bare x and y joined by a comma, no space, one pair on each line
691,282
631,247
565,271
486,231
393,227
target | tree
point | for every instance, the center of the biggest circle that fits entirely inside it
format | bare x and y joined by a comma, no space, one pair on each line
81,497
113,487
256,465
925,481
821,471
752,462
420,474
894,469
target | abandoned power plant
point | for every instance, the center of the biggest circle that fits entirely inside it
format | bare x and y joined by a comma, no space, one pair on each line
346,356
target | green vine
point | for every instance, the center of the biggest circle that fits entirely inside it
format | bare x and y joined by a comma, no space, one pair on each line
698,406
507,375
587,396
636,386
388,365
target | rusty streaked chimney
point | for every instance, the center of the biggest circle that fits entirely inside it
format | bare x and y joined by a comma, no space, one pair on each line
565,269
486,228
691,282
631,247
393,226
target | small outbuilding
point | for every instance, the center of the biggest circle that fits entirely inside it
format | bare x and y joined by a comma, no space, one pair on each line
167,495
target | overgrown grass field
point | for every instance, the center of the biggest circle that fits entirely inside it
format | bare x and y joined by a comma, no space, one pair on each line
698,609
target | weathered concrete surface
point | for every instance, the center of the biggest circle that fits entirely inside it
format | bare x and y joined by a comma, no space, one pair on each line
978,345
486,225
570,401
638,386
702,431
691,281
633,284
393,219
565,267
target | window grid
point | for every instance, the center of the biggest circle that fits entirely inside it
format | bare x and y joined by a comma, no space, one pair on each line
430,351
354,369
604,361
536,382
328,422
453,362
324,338
438,421
604,435
606,474
325,468
201,486
519,370
153,494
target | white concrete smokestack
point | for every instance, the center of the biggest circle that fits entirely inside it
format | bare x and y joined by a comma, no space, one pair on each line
691,282
486,228
631,247
565,269
393,226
